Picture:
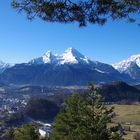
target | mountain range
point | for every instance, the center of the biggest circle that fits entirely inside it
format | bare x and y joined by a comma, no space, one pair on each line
68,69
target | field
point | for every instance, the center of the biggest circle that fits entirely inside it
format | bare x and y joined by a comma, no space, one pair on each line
129,117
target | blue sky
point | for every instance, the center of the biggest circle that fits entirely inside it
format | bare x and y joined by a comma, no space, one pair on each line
22,40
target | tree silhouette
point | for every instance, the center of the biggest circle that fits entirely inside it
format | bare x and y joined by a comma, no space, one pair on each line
81,11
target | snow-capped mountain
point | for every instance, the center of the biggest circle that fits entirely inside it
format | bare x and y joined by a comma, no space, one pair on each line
70,56
69,68
125,64
130,67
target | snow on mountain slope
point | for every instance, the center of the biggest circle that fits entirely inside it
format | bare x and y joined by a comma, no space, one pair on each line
70,56
125,64
48,57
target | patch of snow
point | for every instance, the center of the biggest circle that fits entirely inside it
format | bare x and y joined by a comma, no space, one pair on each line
99,71
42,133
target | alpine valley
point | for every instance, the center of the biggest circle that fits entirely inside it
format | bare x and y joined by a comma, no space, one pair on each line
69,69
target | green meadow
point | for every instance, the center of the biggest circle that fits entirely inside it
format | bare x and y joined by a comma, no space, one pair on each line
129,117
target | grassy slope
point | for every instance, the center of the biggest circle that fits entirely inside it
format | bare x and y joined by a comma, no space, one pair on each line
128,115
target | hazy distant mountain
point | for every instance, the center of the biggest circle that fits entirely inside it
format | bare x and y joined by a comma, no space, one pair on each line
3,66
70,68
130,67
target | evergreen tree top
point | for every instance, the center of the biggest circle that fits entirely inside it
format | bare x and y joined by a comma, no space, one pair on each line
81,11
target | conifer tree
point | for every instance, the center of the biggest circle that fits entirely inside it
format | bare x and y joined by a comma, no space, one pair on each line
27,132
85,118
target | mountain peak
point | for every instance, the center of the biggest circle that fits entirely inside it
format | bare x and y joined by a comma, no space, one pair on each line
70,56
48,53
72,50
125,64
47,57
135,58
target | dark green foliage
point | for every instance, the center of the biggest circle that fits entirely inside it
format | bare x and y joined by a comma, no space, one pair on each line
41,109
84,118
27,132
119,91
44,138
10,134
81,11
